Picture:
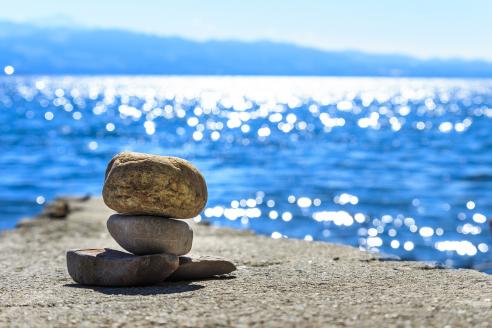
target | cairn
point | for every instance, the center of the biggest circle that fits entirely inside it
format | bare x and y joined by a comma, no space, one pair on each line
152,195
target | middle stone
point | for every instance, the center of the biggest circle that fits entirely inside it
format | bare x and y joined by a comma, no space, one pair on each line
144,235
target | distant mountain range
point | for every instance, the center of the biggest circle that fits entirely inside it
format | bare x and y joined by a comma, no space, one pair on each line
65,50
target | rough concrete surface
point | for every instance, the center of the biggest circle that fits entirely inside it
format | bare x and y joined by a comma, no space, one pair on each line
278,283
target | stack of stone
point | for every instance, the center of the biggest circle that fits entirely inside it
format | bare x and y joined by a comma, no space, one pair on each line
151,194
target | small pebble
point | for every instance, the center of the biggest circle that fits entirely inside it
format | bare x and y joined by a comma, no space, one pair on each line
201,268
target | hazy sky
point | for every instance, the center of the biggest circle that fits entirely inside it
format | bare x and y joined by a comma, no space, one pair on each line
425,28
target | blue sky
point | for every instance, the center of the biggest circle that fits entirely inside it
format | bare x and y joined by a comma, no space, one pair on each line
423,28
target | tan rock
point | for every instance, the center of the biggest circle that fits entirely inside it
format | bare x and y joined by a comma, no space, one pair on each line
108,267
139,183
57,209
201,268
142,235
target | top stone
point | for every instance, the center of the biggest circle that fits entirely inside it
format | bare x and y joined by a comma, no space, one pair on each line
138,183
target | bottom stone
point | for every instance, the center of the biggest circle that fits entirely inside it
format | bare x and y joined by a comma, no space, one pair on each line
109,267
201,268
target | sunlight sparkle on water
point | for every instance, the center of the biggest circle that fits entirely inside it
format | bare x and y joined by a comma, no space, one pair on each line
8,70
383,164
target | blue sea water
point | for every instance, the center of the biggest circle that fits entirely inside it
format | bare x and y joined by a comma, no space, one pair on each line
400,166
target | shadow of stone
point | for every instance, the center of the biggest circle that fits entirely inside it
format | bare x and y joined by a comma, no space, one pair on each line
161,289
222,277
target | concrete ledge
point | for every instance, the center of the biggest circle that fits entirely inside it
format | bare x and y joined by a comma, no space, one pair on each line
279,283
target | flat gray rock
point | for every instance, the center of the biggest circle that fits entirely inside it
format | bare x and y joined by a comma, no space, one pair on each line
143,235
112,268
201,268
138,183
